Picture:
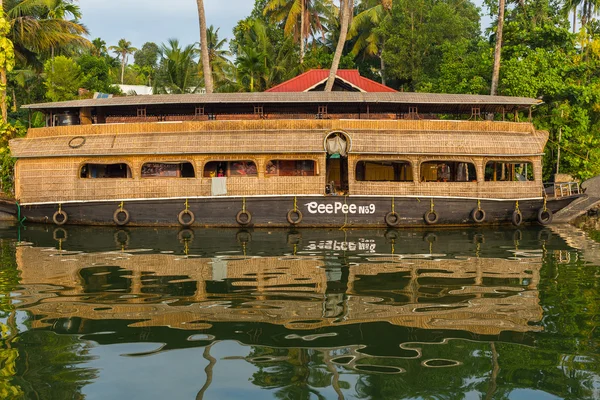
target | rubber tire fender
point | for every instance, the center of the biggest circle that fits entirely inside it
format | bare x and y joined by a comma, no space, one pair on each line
290,217
121,222
517,218
392,219
238,217
540,216
56,215
430,221
181,219
474,214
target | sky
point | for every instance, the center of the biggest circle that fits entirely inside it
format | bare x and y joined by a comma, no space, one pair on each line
141,21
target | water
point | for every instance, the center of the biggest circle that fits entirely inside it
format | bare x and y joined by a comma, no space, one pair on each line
102,313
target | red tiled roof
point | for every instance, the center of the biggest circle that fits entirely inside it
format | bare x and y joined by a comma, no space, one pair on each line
314,77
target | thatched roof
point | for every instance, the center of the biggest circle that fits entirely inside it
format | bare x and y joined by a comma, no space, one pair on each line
427,102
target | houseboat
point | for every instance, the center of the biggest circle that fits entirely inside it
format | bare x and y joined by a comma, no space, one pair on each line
314,159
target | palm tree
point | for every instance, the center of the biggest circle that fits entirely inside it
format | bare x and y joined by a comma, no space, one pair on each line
99,48
364,27
497,51
33,31
345,11
123,49
217,55
208,81
302,18
178,68
252,66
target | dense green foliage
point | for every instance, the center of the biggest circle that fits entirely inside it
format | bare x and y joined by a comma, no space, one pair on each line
420,45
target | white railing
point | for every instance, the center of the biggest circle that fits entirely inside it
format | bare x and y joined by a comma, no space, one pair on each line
562,189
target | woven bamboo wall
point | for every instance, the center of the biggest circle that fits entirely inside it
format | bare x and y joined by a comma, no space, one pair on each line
57,180
281,125
43,273
296,141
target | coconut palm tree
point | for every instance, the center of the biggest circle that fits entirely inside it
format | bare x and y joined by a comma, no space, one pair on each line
345,12
123,49
252,67
364,28
178,70
208,80
34,31
217,55
302,18
497,51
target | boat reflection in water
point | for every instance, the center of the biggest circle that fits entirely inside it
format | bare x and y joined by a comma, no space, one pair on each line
347,303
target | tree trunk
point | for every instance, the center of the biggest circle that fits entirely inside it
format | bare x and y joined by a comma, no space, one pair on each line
496,71
3,82
208,81
574,19
345,15
302,29
381,67
122,67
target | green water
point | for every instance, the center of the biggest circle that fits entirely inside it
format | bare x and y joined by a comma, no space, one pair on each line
101,313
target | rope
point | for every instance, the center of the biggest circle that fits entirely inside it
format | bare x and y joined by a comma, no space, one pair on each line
517,206
121,206
59,207
295,204
19,219
343,228
432,205
393,205
187,206
478,205
545,209
243,205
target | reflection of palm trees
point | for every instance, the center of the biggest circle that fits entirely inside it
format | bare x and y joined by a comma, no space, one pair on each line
208,370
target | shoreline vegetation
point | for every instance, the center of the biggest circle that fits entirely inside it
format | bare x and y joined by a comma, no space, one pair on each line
549,50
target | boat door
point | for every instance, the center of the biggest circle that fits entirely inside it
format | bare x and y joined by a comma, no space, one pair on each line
336,145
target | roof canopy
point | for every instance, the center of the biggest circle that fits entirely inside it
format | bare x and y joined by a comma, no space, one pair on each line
426,102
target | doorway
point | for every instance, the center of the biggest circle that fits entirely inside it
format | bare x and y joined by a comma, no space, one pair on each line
336,145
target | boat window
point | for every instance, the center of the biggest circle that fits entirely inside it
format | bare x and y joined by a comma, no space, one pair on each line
290,168
105,171
389,171
174,170
513,171
448,171
214,169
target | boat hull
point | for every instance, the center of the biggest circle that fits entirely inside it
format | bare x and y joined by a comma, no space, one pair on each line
316,211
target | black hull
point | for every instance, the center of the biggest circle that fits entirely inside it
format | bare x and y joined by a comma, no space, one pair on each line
317,211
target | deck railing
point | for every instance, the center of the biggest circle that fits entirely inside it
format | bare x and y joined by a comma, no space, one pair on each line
562,189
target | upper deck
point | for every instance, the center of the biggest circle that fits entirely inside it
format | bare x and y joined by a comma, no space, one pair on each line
308,105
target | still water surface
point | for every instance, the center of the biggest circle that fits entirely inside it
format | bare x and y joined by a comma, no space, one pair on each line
101,313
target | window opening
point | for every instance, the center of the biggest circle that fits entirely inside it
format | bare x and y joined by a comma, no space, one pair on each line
384,171
214,169
105,171
511,171
290,168
448,171
173,170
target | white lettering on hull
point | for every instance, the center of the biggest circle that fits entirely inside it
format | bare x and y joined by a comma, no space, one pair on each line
339,208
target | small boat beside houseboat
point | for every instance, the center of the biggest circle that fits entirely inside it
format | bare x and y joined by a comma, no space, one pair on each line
315,159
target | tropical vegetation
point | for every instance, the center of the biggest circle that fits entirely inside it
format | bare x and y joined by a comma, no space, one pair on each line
540,48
